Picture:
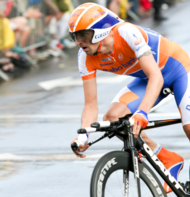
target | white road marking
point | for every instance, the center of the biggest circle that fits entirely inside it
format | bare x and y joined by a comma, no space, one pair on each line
59,157
70,81
66,116
12,157
30,116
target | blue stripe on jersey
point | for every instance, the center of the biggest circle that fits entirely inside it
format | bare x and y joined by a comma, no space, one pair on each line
180,87
175,75
139,74
106,22
138,86
153,41
172,70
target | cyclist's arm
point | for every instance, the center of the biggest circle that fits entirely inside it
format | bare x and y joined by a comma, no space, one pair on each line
155,80
154,85
90,111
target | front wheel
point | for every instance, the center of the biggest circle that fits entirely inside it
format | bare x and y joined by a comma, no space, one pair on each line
113,176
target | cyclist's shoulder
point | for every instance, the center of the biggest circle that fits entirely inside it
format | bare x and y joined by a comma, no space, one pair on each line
127,31
125,27
85,60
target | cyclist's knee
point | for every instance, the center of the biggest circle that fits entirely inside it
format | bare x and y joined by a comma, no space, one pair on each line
116,111
110,116
187,130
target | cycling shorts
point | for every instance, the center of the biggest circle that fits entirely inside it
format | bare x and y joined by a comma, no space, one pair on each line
178,79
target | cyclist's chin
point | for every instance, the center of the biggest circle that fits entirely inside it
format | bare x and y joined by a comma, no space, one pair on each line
89,52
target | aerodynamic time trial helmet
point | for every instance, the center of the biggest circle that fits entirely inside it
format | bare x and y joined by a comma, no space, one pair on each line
94,17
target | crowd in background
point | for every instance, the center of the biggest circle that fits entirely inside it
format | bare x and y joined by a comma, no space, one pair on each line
137,9
33,30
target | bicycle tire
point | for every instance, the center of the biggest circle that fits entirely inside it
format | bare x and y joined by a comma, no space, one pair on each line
120,160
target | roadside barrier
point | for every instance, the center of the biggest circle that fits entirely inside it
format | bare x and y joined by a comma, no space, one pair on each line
22,28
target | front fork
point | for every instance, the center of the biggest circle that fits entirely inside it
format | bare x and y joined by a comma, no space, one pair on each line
129,144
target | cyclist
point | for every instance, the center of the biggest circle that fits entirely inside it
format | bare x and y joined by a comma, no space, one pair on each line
109,44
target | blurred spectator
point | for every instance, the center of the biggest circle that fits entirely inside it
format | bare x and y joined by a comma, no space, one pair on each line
119,7
7,66
145,8
32,13
62,17
51,11
123,9
114,6
7,40
22,30
146,4
157,10
135,6
18,24
12,63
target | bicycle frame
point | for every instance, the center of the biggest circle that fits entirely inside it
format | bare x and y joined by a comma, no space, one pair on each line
152,158
123,129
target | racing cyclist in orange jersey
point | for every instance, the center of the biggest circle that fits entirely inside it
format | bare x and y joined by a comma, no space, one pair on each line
109,44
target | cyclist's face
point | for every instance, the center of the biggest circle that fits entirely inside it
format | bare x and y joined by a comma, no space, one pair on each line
83,39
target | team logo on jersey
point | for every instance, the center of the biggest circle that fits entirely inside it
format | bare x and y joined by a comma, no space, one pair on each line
153,52
106,64
114,69
106,59
188,107
130,62
138,41
120,56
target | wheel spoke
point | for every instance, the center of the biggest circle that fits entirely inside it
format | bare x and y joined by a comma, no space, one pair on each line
128,185
126,182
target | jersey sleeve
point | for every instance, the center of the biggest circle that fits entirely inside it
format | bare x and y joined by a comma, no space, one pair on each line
85,69
134,38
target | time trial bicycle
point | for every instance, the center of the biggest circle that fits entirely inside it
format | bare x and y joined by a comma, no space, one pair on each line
118,165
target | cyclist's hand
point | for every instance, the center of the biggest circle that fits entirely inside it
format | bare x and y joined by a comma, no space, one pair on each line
140,121
82,144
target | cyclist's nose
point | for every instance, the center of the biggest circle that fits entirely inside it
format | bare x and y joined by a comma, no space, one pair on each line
77,42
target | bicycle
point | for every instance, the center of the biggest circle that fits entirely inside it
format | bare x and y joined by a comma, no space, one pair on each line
130,160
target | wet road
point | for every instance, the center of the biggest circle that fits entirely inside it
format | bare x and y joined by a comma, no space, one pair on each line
41,113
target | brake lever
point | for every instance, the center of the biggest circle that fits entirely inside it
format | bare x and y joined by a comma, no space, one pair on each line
75,148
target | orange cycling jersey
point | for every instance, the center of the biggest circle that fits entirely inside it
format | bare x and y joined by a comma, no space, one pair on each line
130,42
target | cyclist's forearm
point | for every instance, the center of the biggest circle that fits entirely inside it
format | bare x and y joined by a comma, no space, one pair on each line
89,115
154,86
